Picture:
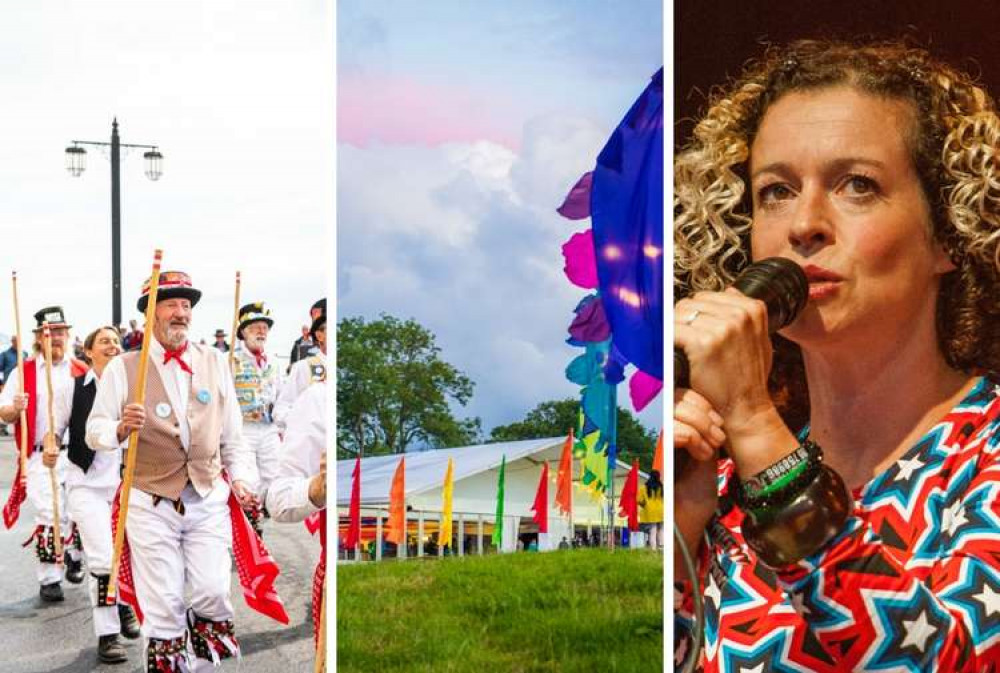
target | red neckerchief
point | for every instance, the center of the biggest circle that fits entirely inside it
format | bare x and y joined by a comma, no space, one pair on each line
169,355
260,357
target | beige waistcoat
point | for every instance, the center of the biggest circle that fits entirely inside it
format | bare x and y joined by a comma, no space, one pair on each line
162,465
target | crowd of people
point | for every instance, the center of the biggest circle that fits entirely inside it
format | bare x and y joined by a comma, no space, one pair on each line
222,443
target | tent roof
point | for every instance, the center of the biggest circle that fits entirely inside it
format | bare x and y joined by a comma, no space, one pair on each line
425,469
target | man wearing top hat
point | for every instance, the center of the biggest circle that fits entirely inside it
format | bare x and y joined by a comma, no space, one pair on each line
35,402
257,382
179,526
304,372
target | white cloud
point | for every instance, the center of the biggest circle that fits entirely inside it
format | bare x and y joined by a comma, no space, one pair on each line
465,239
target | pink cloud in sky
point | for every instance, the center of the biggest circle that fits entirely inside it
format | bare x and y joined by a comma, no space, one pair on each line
395,110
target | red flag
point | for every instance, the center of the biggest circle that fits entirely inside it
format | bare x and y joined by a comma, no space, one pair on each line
658,456
628,506
353,538
397,506
564,481
541,506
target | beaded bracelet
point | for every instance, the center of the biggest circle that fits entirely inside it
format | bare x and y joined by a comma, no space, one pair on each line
803,526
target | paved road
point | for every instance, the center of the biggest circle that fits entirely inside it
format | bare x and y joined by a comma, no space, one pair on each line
60,638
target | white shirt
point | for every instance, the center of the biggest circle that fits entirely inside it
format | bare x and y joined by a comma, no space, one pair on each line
305,441
112,393
298,380
105,470
62,387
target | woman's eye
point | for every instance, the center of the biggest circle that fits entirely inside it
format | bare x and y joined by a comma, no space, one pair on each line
860,185
774,193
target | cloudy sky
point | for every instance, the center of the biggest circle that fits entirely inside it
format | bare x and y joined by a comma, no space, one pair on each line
461,127
239,98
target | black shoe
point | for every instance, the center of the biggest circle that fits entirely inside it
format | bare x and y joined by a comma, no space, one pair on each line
110,651
51,593
74,569
129,624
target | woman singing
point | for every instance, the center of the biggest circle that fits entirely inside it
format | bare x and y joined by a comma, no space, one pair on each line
853,521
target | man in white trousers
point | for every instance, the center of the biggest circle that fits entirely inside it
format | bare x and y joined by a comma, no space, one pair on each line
179,526
257,383
39,486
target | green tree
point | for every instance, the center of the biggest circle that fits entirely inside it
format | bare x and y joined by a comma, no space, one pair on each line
393,390
556,417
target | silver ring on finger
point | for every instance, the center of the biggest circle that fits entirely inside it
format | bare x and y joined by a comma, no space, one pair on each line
691,317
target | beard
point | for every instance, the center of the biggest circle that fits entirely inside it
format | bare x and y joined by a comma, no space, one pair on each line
174,335
255,342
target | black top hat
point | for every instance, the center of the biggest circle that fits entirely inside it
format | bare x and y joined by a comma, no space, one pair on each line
220,332
172,284
319,321
251,313
53,315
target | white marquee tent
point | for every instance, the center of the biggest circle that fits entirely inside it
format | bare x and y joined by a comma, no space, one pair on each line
476,469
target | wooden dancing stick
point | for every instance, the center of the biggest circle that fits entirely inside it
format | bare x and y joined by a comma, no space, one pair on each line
320,666
50,438
23,452
236,322
133,438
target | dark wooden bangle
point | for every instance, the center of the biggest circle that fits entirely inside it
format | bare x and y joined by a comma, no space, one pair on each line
803,526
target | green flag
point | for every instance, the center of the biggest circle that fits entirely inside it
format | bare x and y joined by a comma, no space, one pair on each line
498,526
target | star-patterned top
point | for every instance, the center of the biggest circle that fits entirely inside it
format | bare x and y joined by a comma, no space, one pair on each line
912,583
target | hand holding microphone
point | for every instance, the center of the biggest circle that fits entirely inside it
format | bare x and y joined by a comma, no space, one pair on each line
724,337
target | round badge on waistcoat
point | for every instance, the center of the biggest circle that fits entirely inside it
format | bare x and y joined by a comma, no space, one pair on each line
163,410
204,396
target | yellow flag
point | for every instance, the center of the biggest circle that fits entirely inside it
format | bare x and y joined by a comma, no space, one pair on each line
445,536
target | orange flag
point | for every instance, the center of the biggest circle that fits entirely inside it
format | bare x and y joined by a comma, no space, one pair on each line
396,531
353,538
564,480
658,456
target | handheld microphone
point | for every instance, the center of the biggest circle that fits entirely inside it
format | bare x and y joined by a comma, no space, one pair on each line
780,283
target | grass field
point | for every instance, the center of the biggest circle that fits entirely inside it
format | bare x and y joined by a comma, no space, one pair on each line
584,610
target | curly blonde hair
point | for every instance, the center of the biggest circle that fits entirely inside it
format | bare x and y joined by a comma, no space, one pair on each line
955,147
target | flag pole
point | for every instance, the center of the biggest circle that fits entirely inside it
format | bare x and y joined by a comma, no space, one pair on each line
133,439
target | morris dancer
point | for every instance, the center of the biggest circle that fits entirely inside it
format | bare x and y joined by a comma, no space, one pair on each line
257,382
299,491
92,479
304,372
39,487
180,519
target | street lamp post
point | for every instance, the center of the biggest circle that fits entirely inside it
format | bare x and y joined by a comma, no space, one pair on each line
76,162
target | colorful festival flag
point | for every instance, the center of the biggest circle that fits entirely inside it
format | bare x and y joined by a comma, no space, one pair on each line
353,538
564,480
541,505
446,493
498,525
396,531
628,506
658,456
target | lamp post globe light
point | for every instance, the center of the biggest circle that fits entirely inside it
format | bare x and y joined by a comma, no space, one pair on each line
76,163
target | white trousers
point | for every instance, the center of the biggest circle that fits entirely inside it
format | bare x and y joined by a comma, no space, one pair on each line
174,555
263,440
40,496
90,507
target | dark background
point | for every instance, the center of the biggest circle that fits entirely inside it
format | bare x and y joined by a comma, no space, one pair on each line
714,39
